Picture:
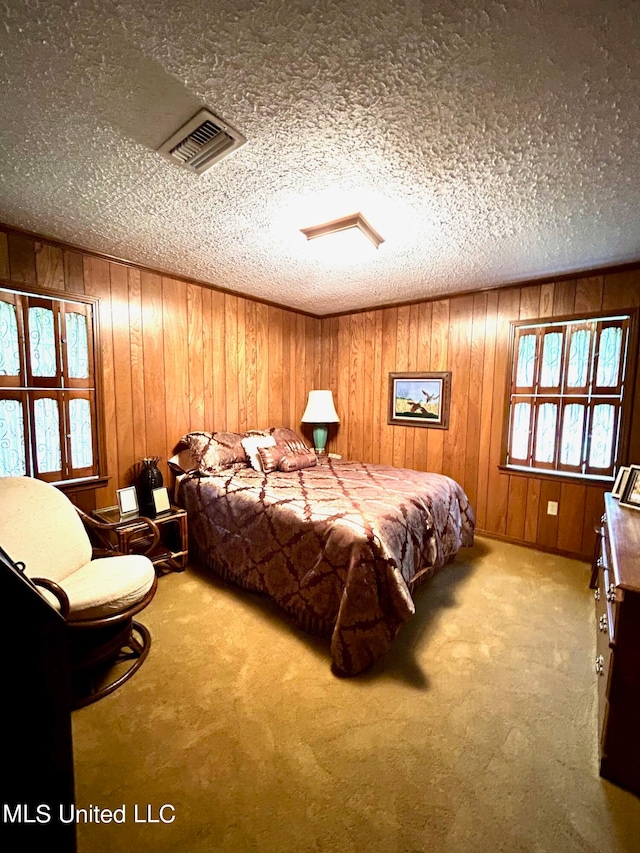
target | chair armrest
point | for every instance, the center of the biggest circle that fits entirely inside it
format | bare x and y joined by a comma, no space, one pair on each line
102,529
55,589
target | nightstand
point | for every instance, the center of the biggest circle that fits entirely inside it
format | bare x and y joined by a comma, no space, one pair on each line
173,546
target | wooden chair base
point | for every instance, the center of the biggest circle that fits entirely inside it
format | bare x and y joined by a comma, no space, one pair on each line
99,656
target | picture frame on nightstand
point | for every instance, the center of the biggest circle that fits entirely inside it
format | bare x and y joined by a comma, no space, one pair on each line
621,481
127,501
161,501
631,495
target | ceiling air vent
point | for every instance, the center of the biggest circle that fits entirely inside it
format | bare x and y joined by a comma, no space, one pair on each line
201,142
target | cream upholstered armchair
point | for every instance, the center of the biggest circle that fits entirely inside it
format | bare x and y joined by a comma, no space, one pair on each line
41,529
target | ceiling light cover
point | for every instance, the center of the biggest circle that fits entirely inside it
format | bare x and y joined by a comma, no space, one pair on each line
355,220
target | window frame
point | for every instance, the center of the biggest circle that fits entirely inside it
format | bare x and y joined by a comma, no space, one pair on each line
626,382
27,388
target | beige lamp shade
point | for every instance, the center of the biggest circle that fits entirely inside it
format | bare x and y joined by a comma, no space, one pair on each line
320,409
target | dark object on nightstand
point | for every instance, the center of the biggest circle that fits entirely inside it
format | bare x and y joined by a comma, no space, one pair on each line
616,583
149,479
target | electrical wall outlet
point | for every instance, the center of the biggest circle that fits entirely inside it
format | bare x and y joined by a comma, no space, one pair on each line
552,508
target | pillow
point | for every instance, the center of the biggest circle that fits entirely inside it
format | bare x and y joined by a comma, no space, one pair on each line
215,451
288,438
251,445
271,456
297,460
183,462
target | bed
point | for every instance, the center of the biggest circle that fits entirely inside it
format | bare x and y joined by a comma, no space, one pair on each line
339,545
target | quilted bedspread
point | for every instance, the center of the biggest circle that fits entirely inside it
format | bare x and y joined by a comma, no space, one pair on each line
338,546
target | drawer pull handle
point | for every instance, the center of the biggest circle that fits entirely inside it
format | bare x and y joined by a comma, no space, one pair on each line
611,592
596,594
599,665
603,517
602,623
599,562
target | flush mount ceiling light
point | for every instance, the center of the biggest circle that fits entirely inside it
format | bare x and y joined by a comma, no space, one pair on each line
346,223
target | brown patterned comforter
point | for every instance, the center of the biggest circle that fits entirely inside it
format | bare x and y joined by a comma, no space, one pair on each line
338,546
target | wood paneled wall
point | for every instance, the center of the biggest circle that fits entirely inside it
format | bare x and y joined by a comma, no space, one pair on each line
177,356
468,335
180,356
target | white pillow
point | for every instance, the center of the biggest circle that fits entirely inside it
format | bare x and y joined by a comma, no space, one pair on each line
252,443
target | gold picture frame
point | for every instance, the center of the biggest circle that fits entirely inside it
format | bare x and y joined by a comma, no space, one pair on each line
420,399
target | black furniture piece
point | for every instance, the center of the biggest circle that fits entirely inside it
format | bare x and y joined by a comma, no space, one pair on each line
36,755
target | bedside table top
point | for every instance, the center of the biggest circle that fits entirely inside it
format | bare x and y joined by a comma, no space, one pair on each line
111,514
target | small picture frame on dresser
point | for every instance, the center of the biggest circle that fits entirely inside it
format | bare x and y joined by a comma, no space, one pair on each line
621,482
631,494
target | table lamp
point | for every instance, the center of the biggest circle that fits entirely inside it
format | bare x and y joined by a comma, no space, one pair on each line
320,411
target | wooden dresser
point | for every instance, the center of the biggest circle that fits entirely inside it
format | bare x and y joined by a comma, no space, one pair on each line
616,584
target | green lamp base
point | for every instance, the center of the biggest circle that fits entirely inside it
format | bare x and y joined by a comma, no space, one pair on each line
320,432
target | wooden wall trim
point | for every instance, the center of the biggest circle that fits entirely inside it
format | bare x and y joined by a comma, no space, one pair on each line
21,238
45,241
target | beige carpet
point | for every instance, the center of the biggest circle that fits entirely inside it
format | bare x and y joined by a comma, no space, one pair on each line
476,733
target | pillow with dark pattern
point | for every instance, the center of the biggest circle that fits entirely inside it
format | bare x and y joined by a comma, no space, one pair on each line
270,457
215,451
288,438
297,460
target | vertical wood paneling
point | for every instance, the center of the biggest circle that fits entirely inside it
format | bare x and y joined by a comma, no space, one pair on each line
439,362
517,507
423,364
209,368
459,360
98,283
530,302
217,343
498,485
241,374
471,453
487,408
4,256
22,259
571,517
380,390
176,366
251,364
301,388
621,290
49,266
120,330
155,402
389,331
532,510
589,294
73,271
275,366
564,298
196,357
546,299
231,361
137,364
262,365
368,383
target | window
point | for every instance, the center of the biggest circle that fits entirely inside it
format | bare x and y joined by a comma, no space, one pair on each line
49,424
568,410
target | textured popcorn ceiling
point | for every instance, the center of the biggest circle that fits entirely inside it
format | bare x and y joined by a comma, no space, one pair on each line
487,142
